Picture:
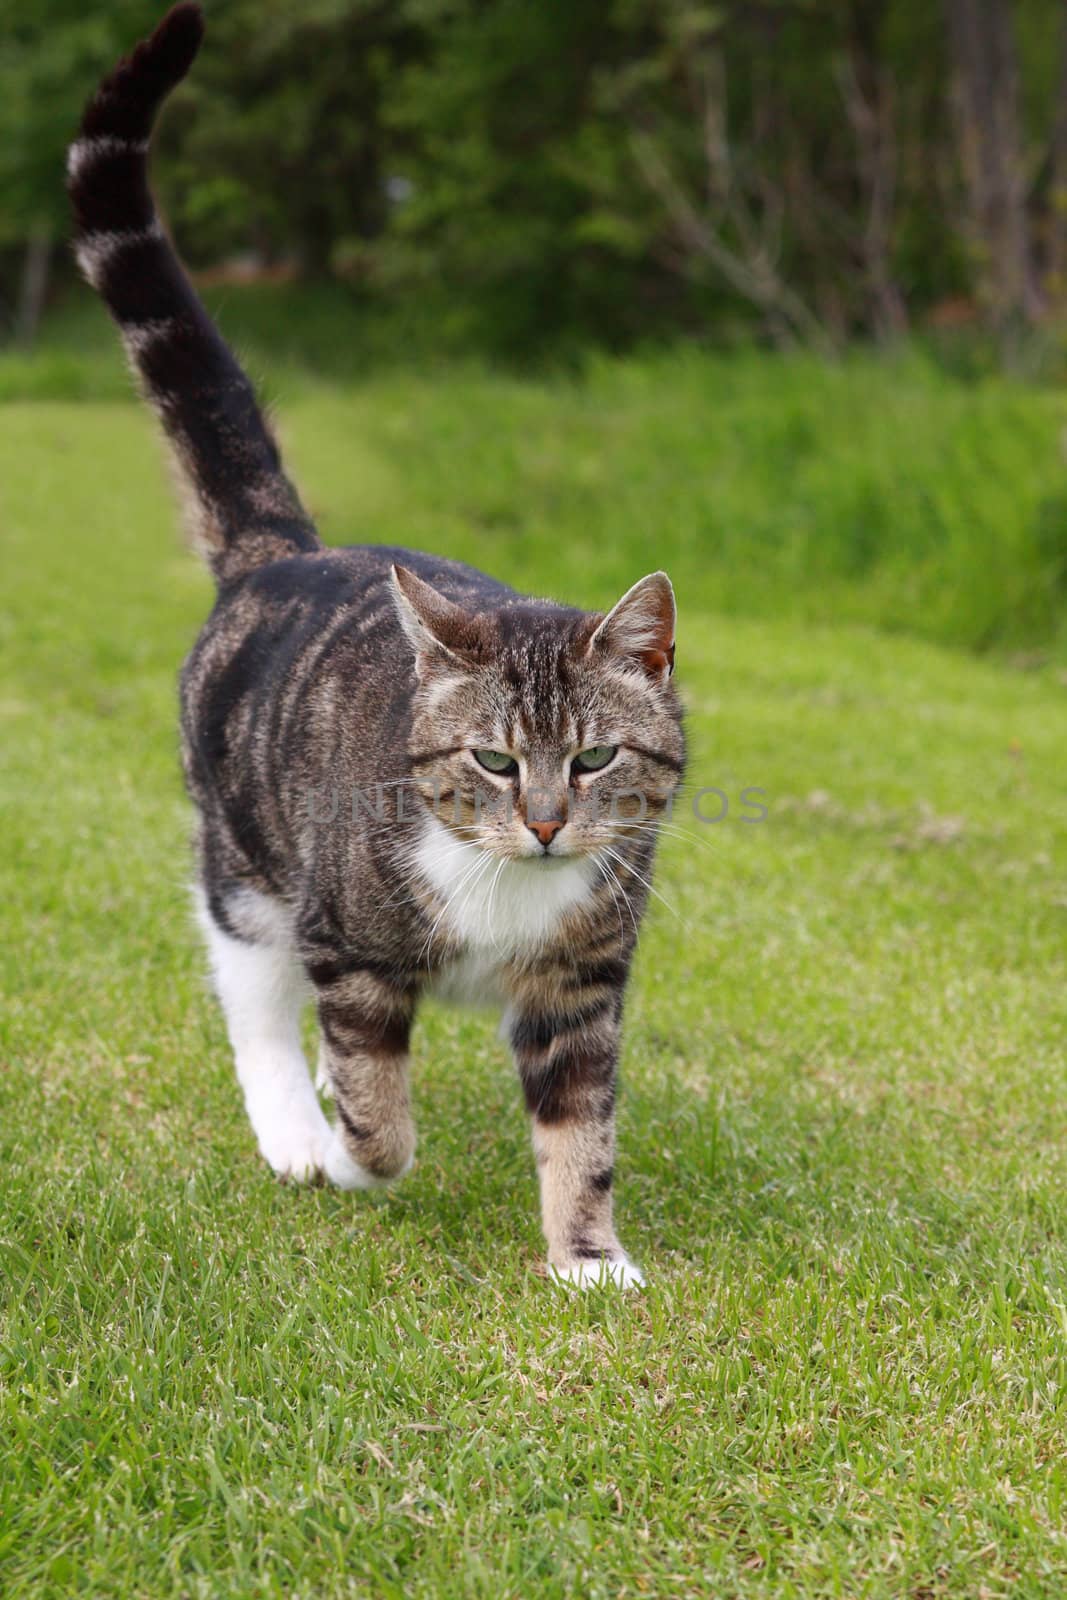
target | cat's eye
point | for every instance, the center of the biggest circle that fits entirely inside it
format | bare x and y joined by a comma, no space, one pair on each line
592,760
496,761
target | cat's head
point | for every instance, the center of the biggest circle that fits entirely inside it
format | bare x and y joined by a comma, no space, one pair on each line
540,732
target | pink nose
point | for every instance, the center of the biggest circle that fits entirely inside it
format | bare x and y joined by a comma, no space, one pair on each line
545,831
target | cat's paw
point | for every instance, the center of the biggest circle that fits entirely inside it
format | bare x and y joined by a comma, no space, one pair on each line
619,1271
295,1143
345,1171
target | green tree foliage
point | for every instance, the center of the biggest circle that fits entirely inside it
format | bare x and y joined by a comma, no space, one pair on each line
51,53
280,131
50,56
600,168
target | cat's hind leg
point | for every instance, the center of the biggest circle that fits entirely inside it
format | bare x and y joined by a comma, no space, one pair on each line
262,987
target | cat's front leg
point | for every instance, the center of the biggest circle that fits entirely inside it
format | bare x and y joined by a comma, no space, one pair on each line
567,1057
365,1019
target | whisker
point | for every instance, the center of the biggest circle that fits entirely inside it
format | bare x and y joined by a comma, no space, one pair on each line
470,871
613,880
673,830
648,886
474,883
489,905
467,885
610,880
656,825
411,852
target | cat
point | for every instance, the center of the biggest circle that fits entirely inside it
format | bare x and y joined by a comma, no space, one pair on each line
407,776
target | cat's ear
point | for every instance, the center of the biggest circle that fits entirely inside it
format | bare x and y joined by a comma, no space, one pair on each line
436,628
641,627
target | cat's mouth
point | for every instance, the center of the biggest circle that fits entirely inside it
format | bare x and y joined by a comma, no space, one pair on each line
544,861
539,860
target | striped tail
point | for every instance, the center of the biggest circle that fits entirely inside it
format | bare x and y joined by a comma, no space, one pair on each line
245,510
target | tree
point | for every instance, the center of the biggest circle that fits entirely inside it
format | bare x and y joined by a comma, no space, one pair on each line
986,103
599,170
52,55
281,141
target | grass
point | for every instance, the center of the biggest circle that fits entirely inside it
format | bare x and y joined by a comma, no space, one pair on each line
882,490
844,1118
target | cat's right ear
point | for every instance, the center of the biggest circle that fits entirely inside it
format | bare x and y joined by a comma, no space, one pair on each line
641,627
435,628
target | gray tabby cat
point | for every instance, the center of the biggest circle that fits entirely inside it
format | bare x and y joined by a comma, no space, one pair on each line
407,776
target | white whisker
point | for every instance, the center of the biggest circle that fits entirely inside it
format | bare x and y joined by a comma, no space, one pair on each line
489,904
467,880
632,870
613,882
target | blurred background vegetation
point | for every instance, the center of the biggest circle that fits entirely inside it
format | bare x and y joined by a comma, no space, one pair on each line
605,169
824,240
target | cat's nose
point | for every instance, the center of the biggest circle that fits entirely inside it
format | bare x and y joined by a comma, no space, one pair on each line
545,831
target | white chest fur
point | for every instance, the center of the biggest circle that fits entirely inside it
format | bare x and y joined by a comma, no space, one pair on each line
497,908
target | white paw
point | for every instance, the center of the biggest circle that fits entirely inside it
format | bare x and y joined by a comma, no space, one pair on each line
598,1274
346,1172
295,1140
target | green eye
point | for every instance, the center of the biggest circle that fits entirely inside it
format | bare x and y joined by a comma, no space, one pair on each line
496,761
592,760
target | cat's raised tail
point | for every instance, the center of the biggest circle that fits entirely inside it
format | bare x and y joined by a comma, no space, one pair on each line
245,512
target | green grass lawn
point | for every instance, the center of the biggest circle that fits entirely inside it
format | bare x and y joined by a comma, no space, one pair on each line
843,1127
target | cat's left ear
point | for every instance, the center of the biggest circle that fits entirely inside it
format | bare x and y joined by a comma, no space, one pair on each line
641,626
438,630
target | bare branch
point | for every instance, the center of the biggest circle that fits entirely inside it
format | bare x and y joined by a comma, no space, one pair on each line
871,117
725,229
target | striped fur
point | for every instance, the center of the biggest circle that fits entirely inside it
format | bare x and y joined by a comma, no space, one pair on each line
205,402
350,846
